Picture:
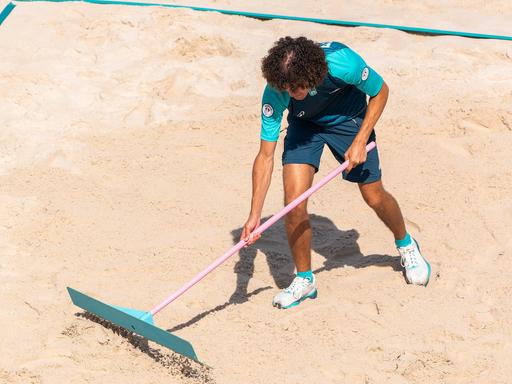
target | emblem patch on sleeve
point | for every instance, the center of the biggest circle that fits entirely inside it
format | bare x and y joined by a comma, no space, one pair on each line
365,73
267,110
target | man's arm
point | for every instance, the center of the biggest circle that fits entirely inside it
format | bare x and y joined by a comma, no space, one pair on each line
348,66
261,177
356,154
273,105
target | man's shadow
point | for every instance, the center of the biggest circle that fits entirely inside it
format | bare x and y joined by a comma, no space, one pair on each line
338,247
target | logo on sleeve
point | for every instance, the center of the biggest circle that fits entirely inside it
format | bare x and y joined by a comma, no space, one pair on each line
365,73
267,110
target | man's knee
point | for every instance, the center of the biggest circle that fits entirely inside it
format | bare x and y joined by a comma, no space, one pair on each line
374,197
375,202
298,214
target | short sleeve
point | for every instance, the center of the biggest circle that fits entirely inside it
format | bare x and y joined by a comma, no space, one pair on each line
273,104
349,67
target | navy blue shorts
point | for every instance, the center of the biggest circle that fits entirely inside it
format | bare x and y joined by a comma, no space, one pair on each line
304,143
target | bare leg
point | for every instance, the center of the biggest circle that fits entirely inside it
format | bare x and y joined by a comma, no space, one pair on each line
297,178
385,206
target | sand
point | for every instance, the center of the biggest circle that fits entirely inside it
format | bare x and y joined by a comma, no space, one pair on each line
127,140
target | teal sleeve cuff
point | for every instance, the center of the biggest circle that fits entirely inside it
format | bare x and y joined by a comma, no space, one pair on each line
373,84
270,136
273,105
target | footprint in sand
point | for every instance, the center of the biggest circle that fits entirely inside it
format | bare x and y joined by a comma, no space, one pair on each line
454,146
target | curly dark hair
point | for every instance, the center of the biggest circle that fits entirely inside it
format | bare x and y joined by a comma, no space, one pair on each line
294,62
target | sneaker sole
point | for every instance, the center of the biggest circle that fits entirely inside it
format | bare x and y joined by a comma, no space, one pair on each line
428,264
312,295
428,276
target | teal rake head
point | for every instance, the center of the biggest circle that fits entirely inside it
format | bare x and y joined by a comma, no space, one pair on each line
135,321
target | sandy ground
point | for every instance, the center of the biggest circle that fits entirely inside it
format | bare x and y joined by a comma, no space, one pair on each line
127,138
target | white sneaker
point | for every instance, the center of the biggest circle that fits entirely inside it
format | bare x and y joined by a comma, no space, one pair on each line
299,290
417,268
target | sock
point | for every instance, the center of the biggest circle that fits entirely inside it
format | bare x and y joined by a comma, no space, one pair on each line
306,275
407,240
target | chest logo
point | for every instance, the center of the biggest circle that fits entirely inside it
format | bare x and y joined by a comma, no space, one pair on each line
365,73
267,110
301,113
313,92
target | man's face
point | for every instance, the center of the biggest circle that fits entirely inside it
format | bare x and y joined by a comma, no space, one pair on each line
298,93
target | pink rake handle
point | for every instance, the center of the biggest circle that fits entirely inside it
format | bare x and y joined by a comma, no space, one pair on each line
258,230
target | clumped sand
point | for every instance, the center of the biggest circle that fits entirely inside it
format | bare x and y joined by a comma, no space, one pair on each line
127,138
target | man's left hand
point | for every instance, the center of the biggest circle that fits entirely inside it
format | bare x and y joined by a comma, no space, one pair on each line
356,154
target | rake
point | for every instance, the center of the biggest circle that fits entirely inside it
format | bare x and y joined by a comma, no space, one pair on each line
141,322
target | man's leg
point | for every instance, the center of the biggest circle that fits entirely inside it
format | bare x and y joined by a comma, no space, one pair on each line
385,206
368,176
417,268
301,157
297,178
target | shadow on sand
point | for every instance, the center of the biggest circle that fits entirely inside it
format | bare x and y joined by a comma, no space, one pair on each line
338,247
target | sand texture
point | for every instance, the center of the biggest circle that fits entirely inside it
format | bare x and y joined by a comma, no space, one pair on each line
127,136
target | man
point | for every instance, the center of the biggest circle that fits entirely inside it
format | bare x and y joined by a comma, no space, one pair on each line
324,87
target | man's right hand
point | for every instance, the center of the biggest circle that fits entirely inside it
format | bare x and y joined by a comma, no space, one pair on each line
251,224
